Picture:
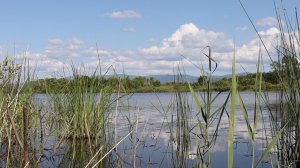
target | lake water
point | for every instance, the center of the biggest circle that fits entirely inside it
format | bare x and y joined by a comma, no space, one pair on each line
157,139
155,112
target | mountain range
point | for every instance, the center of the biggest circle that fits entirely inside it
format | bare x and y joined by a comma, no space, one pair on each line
171,78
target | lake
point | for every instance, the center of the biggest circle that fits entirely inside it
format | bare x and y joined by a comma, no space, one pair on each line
166,133
156,128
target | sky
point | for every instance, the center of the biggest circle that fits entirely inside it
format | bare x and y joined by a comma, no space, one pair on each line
138,37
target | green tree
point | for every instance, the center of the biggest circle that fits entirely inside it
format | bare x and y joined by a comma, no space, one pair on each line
271,77
156,83
289,60
139,81
202,79
113,82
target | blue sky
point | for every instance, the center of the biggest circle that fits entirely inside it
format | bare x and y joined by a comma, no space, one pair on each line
143,37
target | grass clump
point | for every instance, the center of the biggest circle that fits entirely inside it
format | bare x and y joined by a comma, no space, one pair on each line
285,117
205,115
17,116
81,111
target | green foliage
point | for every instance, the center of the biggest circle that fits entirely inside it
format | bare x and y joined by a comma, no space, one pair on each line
18,118
9,69
80,105
285,125
232,114
205,114
63,85
271,77
223,84
202,79
143,84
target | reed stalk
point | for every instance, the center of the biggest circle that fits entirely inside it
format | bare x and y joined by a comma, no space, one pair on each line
232,114
285,124
206,115
17,116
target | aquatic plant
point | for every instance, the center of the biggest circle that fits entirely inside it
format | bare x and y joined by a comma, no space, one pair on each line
285,116
17,115
80,110
204,115
289,98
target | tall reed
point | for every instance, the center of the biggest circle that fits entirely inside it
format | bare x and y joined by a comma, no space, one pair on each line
204,115
285,117
80,109
17,115
183,116
289,99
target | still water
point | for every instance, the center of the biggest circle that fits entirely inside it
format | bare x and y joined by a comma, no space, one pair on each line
164,136
157,128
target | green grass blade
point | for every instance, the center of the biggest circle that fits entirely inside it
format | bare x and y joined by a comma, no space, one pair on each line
245,113
232,114
258,84
271,145
198,104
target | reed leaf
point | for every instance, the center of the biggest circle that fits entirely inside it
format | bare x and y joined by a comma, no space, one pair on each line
198,104
232,114
272,144
245,113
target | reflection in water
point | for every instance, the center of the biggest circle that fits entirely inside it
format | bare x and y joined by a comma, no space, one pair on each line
158,142
159,131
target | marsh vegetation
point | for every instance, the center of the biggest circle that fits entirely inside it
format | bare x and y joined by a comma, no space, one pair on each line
91,121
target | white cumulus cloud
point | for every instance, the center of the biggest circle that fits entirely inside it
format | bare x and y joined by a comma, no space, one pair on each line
59,48
189,39
161,58
126,14
268,21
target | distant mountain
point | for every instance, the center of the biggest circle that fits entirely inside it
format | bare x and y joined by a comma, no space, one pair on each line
119,75
161,78
172,78
189,78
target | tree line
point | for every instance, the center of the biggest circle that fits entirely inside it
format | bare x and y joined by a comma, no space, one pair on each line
115,83
273,80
